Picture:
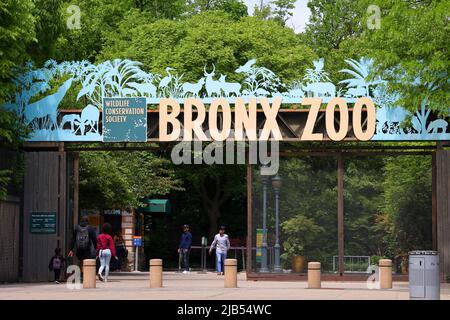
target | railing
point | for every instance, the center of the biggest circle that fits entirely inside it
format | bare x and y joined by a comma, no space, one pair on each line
233,252
354,264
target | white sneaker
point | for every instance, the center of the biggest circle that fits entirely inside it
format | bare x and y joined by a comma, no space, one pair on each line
185,272
100,277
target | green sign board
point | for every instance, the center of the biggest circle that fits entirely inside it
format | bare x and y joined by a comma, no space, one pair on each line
259,241
43,222
124,120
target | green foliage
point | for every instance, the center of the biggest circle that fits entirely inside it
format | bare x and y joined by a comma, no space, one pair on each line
407,203
16,33
207,38
123,179
283,10
48,27
413,42
12,133
300,232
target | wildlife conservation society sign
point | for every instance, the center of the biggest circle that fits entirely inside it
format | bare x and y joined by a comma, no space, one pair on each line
124,120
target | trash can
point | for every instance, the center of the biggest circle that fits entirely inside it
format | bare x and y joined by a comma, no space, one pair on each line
424,281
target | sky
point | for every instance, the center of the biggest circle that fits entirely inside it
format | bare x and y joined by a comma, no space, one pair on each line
300,16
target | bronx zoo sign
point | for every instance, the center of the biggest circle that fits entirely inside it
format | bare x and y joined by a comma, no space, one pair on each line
119,97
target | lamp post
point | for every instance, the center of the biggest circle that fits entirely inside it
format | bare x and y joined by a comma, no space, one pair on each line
264,179
276,184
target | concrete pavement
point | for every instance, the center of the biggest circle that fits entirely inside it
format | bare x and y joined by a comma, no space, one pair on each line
208,286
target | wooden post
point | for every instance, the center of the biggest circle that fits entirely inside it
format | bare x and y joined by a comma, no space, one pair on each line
61,214
340,191
249,217
433,202
76,187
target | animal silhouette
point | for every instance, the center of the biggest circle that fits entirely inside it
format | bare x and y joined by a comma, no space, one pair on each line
48,106
229,87
145,89
164,83
72,119
247,67
261,92
436,125
390,117
295,93
212,86
193,88
89,117
321,89
355,92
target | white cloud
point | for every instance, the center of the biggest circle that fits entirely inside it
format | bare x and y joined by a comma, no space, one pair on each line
299,18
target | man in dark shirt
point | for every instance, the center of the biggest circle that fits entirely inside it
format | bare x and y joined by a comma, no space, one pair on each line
84,239
185,247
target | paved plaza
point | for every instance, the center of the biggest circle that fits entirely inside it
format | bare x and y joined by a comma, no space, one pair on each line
208,286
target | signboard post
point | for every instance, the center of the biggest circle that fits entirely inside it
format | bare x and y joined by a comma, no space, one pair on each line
124,120
137,242
43,222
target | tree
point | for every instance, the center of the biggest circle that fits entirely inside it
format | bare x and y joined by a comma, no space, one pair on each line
235,8
282,10
48,27
411,51
123,179
210,38
407,202
215,185
17,32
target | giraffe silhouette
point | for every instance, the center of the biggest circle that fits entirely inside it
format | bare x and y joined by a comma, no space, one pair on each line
47,106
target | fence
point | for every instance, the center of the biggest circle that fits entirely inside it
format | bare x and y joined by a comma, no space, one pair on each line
354,264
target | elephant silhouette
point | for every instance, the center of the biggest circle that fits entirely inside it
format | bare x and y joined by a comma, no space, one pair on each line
89,117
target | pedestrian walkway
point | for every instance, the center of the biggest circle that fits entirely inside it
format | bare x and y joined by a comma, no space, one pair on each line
207,286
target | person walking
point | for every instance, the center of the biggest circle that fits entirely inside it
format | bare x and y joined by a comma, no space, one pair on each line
84,241
185,247
221,243
120,250
105,251
56,264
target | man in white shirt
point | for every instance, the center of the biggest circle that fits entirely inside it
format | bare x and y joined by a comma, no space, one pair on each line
221,243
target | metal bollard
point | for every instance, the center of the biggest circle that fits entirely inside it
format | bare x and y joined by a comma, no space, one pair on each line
314,274
230,273
385,267
89,274
156,268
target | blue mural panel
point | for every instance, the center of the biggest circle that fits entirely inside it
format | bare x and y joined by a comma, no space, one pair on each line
122,78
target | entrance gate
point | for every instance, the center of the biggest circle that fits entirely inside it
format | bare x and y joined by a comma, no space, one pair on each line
58,134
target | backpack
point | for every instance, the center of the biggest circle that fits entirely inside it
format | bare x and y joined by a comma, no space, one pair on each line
83,242
57,262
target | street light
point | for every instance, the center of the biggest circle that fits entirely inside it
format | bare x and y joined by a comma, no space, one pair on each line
264,180
276,184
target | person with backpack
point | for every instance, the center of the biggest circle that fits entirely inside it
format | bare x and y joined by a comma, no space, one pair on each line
84,241
105,251
221,243
56,264
185,247
120,249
